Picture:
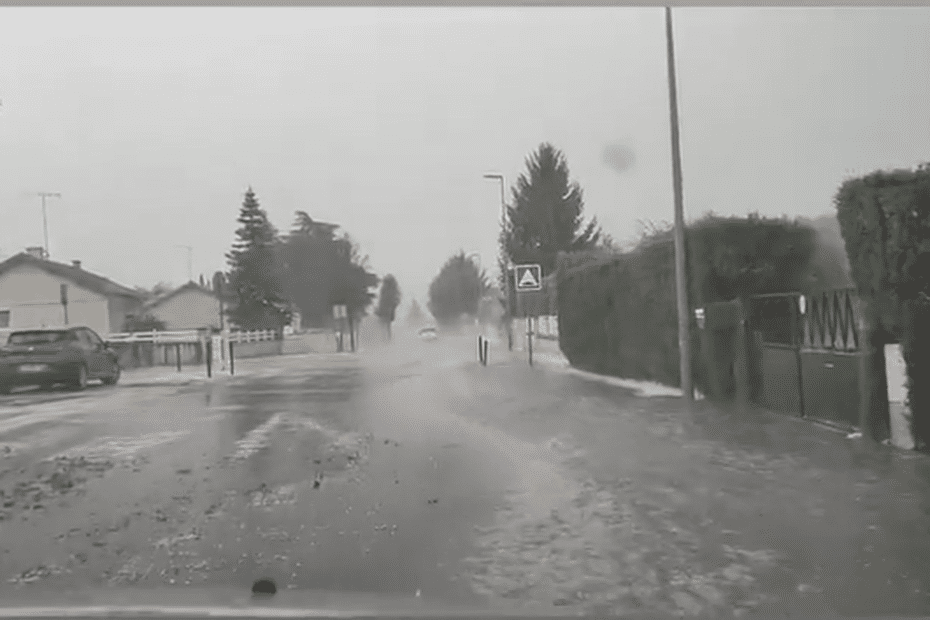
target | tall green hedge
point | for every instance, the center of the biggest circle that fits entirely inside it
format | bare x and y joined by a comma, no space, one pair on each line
885,222
617,313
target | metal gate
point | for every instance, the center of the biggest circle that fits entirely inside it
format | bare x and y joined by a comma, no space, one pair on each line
830,356
774,343
804,354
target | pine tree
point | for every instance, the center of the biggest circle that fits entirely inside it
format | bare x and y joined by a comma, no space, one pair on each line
547,214
457,289
254,271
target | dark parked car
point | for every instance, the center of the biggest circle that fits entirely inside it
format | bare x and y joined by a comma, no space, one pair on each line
44,357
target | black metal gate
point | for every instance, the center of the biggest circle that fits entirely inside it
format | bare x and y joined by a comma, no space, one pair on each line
804,354
830,356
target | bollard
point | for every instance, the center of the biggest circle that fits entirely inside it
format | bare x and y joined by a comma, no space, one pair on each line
529,338
480,351
177,354
232,359
209,347
486,348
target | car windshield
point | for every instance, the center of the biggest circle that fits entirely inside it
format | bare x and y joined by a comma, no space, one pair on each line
37,337
672,253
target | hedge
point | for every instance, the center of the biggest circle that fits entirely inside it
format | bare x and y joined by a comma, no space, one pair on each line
885,223
617,313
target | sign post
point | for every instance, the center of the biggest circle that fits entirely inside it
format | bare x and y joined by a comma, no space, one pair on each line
528,278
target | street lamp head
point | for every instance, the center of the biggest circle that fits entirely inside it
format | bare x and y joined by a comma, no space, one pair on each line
494,176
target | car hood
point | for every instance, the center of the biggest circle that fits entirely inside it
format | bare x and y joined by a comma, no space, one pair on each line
229,602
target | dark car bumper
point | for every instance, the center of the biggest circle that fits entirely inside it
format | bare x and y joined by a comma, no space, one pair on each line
36,373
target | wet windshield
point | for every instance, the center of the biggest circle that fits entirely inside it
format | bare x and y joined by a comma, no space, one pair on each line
598,310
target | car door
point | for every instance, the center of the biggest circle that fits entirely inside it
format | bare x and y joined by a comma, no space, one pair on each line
93,353
108,358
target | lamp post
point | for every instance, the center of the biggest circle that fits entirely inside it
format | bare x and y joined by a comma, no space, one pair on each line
507,266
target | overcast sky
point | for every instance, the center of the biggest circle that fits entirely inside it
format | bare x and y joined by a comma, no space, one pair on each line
152,122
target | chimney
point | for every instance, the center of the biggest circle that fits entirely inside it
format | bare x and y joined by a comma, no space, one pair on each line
76,264
36,251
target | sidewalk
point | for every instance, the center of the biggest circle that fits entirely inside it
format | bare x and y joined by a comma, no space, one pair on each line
546,353
169,375
717,506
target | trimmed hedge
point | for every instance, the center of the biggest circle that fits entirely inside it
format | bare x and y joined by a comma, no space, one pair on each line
617,313
885,222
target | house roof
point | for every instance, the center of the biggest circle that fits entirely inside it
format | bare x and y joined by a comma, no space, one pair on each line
77,275
190,286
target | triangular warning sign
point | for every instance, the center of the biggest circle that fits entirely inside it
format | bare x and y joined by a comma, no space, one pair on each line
527,280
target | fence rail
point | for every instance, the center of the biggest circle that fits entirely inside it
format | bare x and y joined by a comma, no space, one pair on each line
256,336
830,321
188,336
156,337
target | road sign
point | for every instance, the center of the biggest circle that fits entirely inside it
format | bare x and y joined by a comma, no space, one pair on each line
339,312
529,278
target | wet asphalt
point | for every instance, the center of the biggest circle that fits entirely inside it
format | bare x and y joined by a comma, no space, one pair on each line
408,470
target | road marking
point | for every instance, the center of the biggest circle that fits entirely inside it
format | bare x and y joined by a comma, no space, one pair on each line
36,418
119,447
256,439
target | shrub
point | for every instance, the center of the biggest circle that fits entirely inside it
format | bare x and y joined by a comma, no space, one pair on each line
885,222
617,313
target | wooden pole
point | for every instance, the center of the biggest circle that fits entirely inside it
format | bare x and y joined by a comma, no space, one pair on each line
681,290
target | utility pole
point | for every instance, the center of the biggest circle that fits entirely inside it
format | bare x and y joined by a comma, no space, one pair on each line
681,289
43,196
507,266
190,261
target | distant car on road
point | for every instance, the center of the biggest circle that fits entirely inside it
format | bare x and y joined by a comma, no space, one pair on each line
44,357
428,333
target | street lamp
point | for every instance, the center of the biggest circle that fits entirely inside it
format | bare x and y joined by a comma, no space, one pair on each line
507,265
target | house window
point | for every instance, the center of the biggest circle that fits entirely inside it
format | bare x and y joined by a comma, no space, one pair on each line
4,318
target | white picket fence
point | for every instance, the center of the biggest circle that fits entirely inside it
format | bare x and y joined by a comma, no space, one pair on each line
157,337
256,336
547,327
193,335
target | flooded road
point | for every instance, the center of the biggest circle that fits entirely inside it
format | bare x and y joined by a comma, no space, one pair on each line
411,471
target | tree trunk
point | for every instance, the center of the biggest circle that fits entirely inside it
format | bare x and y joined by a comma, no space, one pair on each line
352,333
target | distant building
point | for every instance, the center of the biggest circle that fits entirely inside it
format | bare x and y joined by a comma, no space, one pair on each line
190,306
32,287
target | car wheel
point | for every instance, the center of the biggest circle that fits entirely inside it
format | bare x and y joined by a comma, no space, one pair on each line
80,378
113,377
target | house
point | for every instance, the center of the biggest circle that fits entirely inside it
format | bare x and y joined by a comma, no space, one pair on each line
190,306
33,289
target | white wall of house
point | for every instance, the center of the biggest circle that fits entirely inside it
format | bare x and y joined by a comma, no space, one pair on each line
33,299
189,309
